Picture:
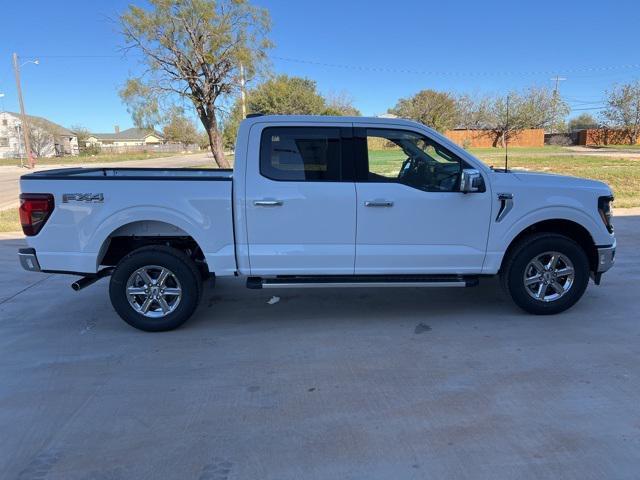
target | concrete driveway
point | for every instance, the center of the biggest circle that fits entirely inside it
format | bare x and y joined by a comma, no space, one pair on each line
357,384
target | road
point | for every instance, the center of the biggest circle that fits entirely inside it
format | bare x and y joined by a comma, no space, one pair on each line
327,384
10,176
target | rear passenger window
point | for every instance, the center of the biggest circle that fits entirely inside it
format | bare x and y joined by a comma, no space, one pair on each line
311,154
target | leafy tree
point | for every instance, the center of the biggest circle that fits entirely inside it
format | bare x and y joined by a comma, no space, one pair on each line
285,95
623,109
193,49
437,110
142,104
179,128
533,108
582,122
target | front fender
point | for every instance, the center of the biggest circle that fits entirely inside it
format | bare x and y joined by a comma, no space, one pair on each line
502,235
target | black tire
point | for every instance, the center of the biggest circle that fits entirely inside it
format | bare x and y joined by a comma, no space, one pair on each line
184,271
513,272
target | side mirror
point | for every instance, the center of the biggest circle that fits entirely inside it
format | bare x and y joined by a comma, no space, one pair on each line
471,181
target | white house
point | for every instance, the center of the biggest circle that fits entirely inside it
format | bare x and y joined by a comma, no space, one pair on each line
47,139
126,138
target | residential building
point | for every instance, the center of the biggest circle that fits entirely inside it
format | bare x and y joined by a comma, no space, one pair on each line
125,138
47,139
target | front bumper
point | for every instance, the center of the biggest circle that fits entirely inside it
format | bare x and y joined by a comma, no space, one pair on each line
606,257
28,259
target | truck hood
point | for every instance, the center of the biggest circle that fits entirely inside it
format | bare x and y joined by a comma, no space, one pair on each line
561,181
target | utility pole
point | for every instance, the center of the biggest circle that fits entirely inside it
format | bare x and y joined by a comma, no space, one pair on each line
243,95
25,126
556,97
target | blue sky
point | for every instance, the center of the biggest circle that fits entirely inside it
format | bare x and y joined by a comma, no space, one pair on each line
460,46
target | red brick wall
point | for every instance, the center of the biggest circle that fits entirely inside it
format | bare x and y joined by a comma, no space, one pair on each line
603,136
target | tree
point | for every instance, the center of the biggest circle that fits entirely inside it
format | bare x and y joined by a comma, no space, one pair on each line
193,49
623,109
82,133
285,95
474,113
179,128
341,104
42,136
437,110
142,104
582,122
533,108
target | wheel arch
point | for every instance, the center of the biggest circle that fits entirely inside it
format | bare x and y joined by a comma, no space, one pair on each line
561,226
128,236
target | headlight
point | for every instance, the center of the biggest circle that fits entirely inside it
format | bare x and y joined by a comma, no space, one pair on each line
604,208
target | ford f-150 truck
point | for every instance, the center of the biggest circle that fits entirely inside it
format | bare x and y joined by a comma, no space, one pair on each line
319,202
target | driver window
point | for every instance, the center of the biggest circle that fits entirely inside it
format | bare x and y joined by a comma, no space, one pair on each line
411,159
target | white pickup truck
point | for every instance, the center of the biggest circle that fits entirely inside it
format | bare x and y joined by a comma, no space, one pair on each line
319,202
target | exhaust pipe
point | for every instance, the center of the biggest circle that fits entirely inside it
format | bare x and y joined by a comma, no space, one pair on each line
84,282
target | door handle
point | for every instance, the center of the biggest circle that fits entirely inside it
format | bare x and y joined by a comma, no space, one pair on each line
268,203
378,203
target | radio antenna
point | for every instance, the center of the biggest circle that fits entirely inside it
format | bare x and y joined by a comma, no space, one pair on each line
506,140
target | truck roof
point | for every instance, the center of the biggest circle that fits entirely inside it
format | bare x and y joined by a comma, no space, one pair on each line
328,119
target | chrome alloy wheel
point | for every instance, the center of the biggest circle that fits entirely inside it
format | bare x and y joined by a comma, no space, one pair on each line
153,291
549,276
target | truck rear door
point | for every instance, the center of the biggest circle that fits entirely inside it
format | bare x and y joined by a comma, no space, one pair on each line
300,199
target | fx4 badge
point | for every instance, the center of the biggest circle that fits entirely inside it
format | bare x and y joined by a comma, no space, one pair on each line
83,197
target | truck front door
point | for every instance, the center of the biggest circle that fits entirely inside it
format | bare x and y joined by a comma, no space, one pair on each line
300,200
412,218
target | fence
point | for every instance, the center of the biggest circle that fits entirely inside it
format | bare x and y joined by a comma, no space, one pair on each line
148,148
603,136
532,137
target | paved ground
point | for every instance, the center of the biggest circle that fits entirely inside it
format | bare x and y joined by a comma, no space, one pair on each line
358,384
9,176
606,151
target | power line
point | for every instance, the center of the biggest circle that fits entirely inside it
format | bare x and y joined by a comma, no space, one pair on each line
590,108
388,69
585,102
458,73
74,56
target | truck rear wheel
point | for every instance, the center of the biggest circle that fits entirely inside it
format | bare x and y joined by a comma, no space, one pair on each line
155,288
546,273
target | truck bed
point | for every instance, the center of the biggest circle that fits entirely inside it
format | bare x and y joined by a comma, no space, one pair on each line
89,210
131,174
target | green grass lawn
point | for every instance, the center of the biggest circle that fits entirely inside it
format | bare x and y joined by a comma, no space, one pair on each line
518,150
621,174
9,220
102,158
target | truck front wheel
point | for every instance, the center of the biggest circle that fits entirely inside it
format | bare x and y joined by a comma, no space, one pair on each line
546,273
155,288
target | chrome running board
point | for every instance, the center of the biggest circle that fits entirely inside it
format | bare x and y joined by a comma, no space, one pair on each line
359,281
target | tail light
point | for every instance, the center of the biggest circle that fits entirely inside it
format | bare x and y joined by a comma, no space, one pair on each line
35,210
604,208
